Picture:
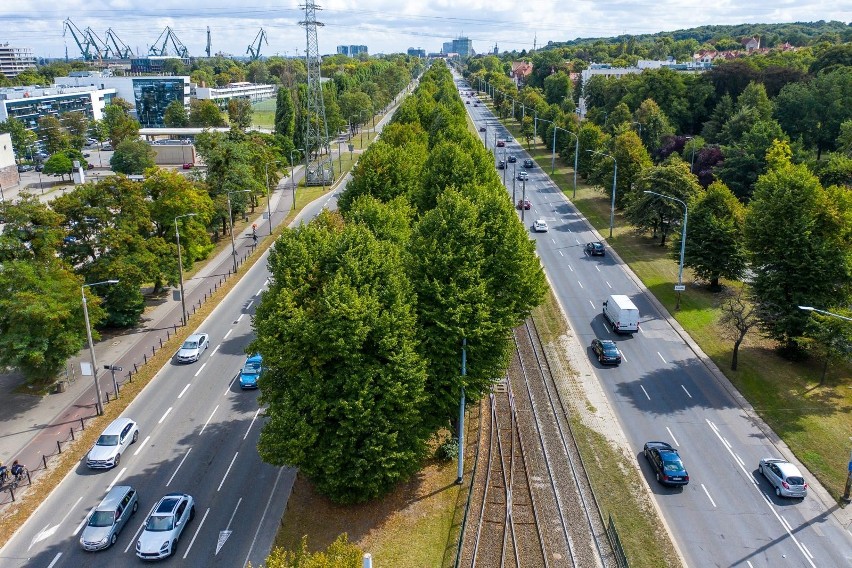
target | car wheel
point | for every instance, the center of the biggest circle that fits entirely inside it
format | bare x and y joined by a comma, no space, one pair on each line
135,437
112,539
117,460
192,513
174,548
135,507
778,492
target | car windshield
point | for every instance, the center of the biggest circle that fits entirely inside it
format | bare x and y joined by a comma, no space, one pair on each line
102,519
190,345
108,440
159,523
251,368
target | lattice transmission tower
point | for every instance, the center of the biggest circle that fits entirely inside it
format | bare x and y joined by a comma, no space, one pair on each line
319,166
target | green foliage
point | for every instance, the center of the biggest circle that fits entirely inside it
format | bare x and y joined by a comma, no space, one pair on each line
745,157
205,113
829,338
284,113
343,381
58,164
55,137
119,124
239,113
175,115
41,319
798,244
23,139
339,554
32,230
385,172
132,156
448,450
76,124
558,88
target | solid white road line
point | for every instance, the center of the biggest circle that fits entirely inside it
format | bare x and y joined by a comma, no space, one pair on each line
83,522
223,535
142,445
184,390
712,502
224,477
646,392
198,372
263,516
673,437
808,552
55,560
115,479
208,420
661,357
252,423
686,391
178,467
164,415
201,524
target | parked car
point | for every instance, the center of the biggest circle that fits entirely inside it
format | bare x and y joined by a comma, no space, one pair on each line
107,147
476,104
512,159
606,351
164,526
251,372
595,248
501,165
39,167
25,168
540,226
87,155
528,163
187,166
784,477
117,437
192,348
108,518
524,204
523,176
666,463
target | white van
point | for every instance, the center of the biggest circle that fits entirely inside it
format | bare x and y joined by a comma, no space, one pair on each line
622,313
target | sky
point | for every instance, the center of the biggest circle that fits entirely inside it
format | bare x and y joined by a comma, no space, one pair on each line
384,26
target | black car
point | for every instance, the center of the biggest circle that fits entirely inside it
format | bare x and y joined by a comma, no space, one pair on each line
666,463
501,165
25,168
606,351
512,159
595,248
482,129
528,163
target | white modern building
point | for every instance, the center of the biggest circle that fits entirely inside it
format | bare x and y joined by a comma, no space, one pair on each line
28,104
15,60
221,95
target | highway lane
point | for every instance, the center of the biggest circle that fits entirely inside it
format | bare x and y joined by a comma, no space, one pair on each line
727,515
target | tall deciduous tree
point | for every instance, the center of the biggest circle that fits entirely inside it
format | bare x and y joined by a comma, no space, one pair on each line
715,246
343,382
23,139
120,125
799,247
55,136
205,113
77,125
175,115
239,113
132,157
285,113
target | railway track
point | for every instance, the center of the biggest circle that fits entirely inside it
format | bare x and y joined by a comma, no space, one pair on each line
531,503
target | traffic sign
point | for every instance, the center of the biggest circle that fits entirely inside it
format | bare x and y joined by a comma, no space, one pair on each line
680,287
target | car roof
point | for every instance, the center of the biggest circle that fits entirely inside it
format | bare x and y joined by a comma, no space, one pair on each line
607,342
196,336
169,502
256,358
117,425
788,469
662,446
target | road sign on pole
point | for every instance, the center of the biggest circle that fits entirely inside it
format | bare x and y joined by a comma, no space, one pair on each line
680,288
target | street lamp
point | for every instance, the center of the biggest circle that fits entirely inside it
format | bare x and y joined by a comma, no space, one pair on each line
100,407
361,126
848,489
640,127
576,156
680,287
614,176
293,173
180,267
268,206
231,224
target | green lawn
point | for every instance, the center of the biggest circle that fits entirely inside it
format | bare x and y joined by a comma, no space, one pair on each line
263,115
814,421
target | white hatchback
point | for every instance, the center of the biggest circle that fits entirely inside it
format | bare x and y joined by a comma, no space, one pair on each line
117,437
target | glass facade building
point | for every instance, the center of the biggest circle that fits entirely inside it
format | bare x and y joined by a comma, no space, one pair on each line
152,96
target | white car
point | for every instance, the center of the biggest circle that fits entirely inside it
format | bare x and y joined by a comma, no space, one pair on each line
192,348
164,526
117,437
540,226
784,477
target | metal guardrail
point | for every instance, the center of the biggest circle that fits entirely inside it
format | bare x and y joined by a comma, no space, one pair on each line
612,534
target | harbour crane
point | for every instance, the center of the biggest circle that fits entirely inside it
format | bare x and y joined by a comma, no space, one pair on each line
162,48
254,46
88,48
118,48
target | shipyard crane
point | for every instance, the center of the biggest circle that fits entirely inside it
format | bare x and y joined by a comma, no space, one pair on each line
119,49
85,42
101,48
254,47
161,48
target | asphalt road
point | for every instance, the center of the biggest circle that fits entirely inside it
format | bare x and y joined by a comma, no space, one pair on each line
728,515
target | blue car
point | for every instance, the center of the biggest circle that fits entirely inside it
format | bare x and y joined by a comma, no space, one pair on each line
251,372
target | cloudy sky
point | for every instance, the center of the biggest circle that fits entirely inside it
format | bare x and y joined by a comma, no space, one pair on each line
383,26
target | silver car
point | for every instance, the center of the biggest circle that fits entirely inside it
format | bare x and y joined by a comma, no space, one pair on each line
164,526
108,518
192,348
117,437
784,476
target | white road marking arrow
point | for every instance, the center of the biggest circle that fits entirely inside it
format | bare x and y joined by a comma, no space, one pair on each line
223,535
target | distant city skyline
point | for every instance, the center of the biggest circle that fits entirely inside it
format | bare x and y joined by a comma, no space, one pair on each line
384,27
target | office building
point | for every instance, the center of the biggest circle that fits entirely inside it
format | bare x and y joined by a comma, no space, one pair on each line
28,104
221,95
15,60
417,52
463,46
447,47
351,50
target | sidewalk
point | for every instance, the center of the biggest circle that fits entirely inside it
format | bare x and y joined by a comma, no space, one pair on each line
32,424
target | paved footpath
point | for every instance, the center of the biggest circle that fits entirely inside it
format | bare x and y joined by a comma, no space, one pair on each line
31,425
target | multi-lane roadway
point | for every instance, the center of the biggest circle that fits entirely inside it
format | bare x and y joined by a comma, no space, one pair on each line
728,515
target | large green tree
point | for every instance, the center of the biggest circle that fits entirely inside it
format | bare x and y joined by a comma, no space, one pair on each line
132,156
285,113
175,115
53,133
23,139
343,382
120,125
205,113
239,113
799,245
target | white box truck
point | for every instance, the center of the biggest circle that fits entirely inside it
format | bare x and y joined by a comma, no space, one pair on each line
622,313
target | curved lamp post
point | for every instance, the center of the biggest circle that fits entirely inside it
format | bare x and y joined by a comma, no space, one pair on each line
180,267
268,206
614,177
100,407
680,287
231,224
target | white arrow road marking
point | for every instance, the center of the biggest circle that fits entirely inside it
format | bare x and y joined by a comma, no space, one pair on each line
201,524
223,535
47,532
